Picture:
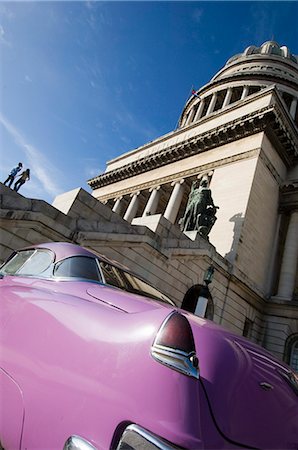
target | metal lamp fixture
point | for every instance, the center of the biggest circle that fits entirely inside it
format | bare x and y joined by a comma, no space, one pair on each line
202,301
209,275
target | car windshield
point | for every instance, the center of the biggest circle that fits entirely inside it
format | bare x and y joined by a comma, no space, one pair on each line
28,263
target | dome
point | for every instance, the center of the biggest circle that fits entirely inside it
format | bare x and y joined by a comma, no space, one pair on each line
244,75
267,48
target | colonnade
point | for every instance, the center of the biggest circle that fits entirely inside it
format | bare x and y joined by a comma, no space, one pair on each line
170,212
200,109
197,113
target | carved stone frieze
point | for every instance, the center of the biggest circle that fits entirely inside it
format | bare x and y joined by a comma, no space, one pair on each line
197,170
269,118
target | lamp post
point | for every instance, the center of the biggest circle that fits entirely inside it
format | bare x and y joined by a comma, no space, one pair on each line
209,275
204,295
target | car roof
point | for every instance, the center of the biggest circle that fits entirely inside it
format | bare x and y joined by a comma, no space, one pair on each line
64,250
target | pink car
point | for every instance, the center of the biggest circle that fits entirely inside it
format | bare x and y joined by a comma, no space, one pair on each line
92,357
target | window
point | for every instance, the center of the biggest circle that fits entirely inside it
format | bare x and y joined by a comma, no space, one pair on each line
294,356
113,276
247,329
220,99
28,263
291,351
287,99
124,280
236,94
78,267
207,101
253,89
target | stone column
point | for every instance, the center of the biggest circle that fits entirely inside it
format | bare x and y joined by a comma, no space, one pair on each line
200,110
293,107
289,260
132,207
117,205
190,116
227,98
174,201
244,92
152,203
212,104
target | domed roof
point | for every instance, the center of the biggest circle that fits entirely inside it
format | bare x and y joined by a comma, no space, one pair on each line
268,48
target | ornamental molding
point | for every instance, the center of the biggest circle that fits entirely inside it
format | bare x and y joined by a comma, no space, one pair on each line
195,171
272,118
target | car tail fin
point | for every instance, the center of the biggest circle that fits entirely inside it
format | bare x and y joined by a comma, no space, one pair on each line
174,345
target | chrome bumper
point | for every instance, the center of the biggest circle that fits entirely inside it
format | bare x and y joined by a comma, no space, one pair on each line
137,438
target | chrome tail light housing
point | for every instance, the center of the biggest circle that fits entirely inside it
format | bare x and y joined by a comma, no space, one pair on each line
174,346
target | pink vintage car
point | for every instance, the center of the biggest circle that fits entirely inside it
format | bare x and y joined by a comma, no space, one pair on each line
92,357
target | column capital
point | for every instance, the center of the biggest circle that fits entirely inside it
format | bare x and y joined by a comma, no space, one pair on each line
135,194
154,188
177,182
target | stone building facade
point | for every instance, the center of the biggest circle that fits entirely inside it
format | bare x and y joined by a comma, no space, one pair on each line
240,133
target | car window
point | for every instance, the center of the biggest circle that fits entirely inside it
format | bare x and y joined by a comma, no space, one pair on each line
113,276
78,267
124,280
144,288
28,262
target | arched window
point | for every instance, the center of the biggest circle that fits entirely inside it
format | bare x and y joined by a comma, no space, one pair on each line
198,300
291,351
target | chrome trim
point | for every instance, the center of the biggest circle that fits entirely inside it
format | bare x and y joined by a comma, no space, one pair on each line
77,443
154,440
266,386
291,378
186,363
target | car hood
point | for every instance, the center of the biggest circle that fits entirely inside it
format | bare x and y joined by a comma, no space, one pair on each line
89,291
250,399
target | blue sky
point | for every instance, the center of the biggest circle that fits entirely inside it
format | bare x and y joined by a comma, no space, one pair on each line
82,82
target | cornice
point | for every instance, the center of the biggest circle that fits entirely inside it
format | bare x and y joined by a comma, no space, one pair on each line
268,118
194,171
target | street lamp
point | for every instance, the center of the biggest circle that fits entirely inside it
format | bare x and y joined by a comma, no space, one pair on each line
209,275
204,295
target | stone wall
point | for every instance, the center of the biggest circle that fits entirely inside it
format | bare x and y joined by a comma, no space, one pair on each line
167,258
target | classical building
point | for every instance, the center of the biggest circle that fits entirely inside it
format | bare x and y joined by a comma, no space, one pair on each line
239,133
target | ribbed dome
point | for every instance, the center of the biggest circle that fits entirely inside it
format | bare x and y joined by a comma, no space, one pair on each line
244,75
268,48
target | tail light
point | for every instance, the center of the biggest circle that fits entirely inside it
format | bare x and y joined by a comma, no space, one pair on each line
174,346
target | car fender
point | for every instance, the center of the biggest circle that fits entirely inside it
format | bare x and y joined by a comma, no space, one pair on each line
12,412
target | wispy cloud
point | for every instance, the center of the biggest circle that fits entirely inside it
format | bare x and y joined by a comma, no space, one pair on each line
197,15
40,166
3,40
6,12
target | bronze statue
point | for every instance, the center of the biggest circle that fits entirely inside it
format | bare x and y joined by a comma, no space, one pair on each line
200,210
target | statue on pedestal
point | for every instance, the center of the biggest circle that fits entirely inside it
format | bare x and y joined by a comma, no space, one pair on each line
200,210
